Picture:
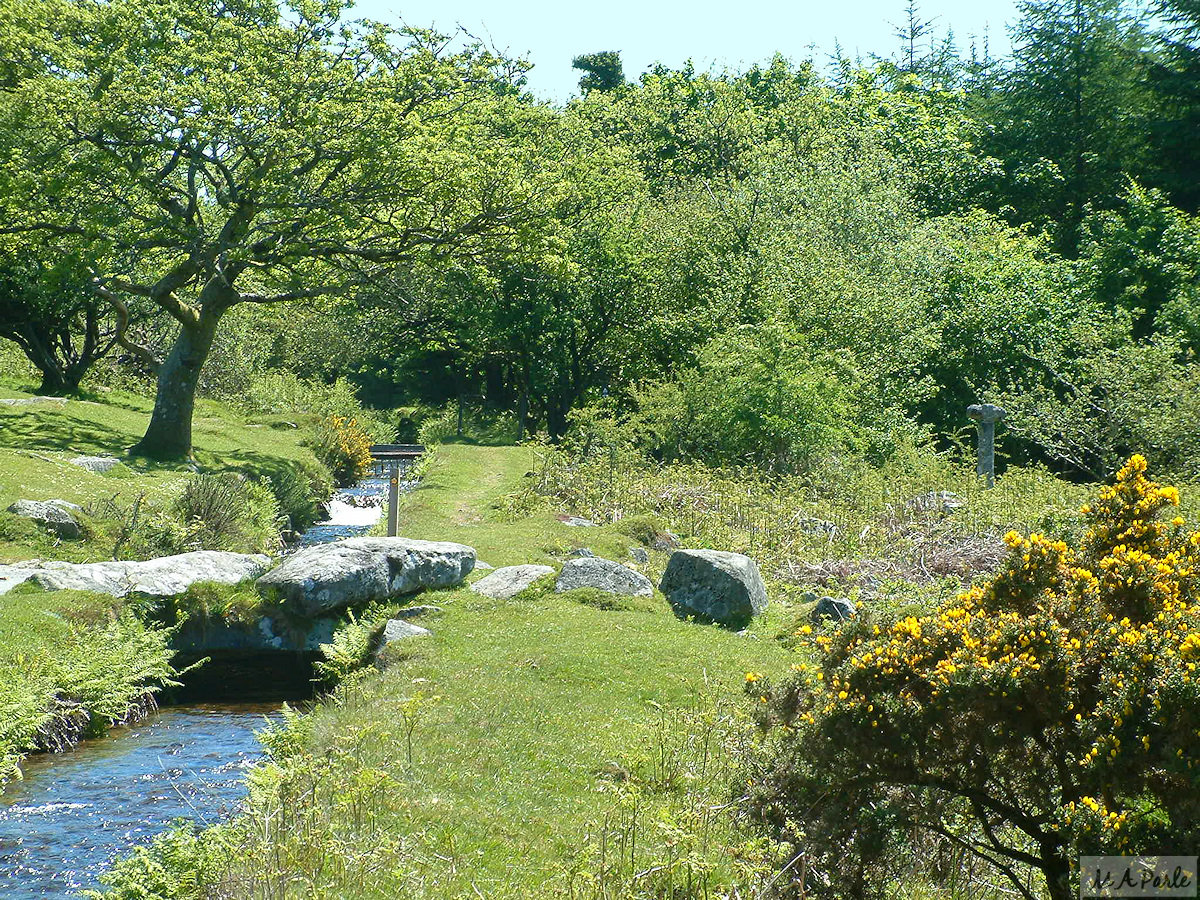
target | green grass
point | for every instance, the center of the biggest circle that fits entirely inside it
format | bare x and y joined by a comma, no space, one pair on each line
460,499
545,732
38,442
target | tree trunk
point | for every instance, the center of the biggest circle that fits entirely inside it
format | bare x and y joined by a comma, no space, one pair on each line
54,384
38,347
1057,872
556,419
169,435
523,413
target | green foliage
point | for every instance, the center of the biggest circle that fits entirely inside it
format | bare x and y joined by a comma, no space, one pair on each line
1073,112
300,490
283,393
353,643
172,866
375,153
50,313
1142,259
758,396
206,603
72,664
478,427
1104,404
1048,713
344,448
225,512
602,71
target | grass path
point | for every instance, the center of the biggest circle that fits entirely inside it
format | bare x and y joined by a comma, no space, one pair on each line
545,732
458,500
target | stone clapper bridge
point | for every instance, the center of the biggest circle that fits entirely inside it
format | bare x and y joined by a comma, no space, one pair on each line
305,597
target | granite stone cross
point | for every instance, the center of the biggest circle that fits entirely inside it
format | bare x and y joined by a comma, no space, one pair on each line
986,416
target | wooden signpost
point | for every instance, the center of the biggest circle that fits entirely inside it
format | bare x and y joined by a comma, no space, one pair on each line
394,459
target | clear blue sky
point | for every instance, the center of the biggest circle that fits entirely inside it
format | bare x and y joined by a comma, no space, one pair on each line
732,34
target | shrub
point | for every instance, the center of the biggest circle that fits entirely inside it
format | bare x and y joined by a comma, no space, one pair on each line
343,446
299,491
222,512
478,427
757,395
352,645
284,393
1051,712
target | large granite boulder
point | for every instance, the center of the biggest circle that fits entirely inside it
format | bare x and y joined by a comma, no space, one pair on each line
714,586
603,575
357,571
508,581
54,515
166,576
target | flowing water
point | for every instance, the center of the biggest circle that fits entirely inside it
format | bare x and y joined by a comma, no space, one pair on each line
78,811
352,512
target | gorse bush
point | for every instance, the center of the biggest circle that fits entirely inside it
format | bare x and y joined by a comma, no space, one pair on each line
343,446
1052,712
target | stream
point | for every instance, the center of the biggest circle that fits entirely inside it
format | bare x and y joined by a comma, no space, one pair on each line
76,812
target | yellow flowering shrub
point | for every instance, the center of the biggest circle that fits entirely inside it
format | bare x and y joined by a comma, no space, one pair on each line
344,447
1052,712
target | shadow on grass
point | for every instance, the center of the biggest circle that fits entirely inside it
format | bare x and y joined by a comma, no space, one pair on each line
64,431
484,440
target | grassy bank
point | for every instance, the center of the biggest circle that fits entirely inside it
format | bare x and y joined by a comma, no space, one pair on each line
72,663
38,442
549,745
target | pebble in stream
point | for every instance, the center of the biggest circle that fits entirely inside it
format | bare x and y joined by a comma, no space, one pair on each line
78,811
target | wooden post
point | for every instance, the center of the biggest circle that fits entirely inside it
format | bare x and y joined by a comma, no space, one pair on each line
393,495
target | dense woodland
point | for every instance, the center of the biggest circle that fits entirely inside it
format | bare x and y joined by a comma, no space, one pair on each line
766,266
750,310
